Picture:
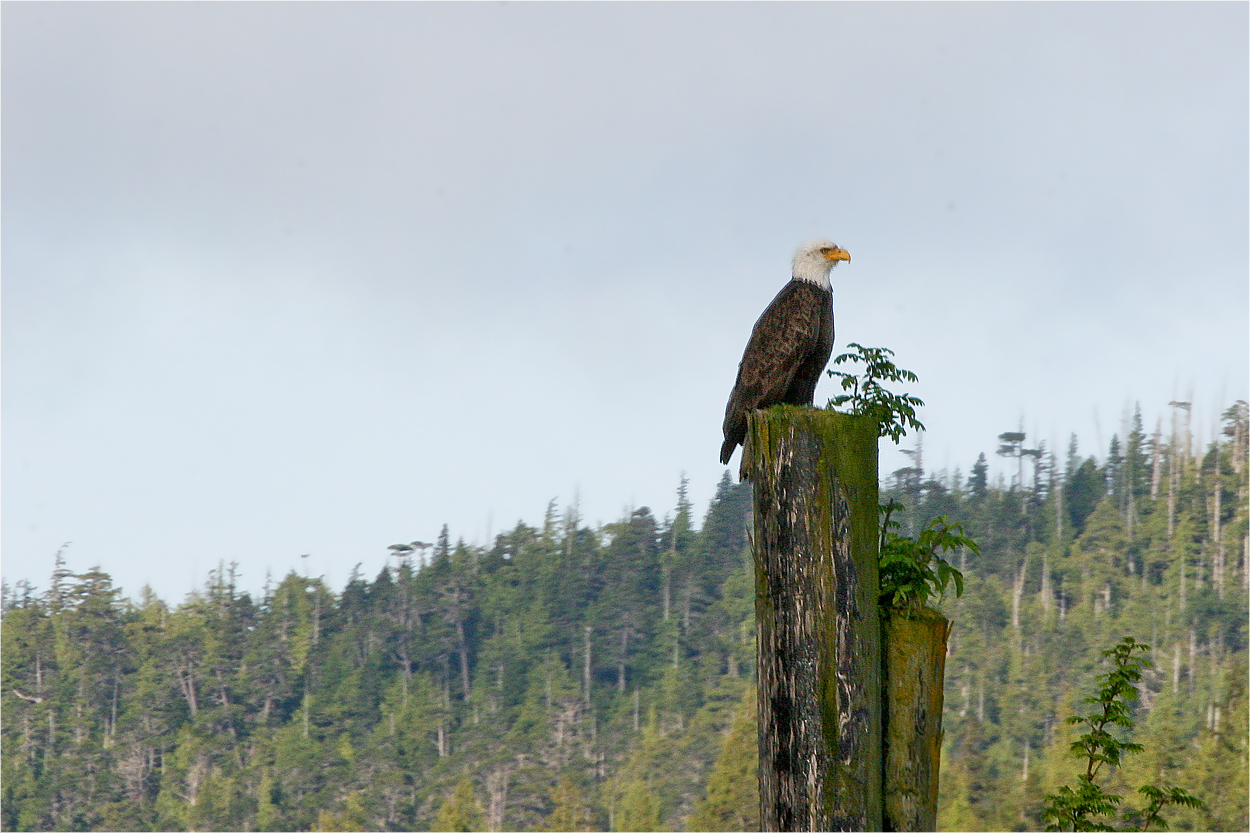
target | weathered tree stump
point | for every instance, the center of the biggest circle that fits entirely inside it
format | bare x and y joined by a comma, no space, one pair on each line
915,664
817,626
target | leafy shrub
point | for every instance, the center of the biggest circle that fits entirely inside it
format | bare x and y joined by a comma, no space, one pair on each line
912,570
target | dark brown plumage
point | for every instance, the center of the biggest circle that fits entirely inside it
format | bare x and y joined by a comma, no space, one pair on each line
789,345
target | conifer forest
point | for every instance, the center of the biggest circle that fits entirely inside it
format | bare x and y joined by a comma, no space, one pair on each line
569,677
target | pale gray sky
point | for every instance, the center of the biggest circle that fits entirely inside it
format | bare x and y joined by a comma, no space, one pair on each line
287,278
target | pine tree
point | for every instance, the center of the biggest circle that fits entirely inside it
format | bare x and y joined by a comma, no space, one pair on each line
1086,487
314,706
732,800
639,809
978,481
460,812
570,811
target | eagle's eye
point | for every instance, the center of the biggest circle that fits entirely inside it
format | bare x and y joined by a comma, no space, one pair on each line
824,250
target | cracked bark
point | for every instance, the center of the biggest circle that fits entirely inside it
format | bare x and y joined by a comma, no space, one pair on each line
915,665
818,632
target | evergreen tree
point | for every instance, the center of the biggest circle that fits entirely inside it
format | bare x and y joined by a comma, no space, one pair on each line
978,481
460,812
570,811
1086,487
367,706
732,800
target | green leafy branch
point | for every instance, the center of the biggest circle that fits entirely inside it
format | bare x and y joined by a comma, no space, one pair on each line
894,411
1079,809
912,570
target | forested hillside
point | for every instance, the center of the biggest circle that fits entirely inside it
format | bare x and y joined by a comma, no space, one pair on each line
569,677
1149,542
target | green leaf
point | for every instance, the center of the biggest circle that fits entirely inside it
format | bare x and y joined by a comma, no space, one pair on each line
895,412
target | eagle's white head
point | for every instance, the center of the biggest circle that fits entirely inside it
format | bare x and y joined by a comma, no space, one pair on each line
814,259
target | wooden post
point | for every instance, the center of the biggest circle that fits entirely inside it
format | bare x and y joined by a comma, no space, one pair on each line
915,664
817,628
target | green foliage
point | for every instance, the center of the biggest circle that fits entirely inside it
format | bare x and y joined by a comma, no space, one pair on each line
1044,597
1157,799
460,812
913,571
894,412
570,810
351,818
455,693
1085,489
1081,809
732,800
304,706
639,809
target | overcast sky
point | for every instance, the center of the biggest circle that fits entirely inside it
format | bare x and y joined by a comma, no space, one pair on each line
283,279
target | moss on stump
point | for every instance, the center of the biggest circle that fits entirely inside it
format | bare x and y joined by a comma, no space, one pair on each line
915,662
818,632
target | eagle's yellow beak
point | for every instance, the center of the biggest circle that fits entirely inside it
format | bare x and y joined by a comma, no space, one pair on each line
836,254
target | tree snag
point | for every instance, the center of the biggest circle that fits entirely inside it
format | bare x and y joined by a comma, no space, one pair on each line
818,631
915,664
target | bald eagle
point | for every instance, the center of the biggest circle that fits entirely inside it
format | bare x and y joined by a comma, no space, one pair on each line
790,343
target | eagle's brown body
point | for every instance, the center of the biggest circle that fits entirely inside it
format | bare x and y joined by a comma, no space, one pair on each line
789,348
